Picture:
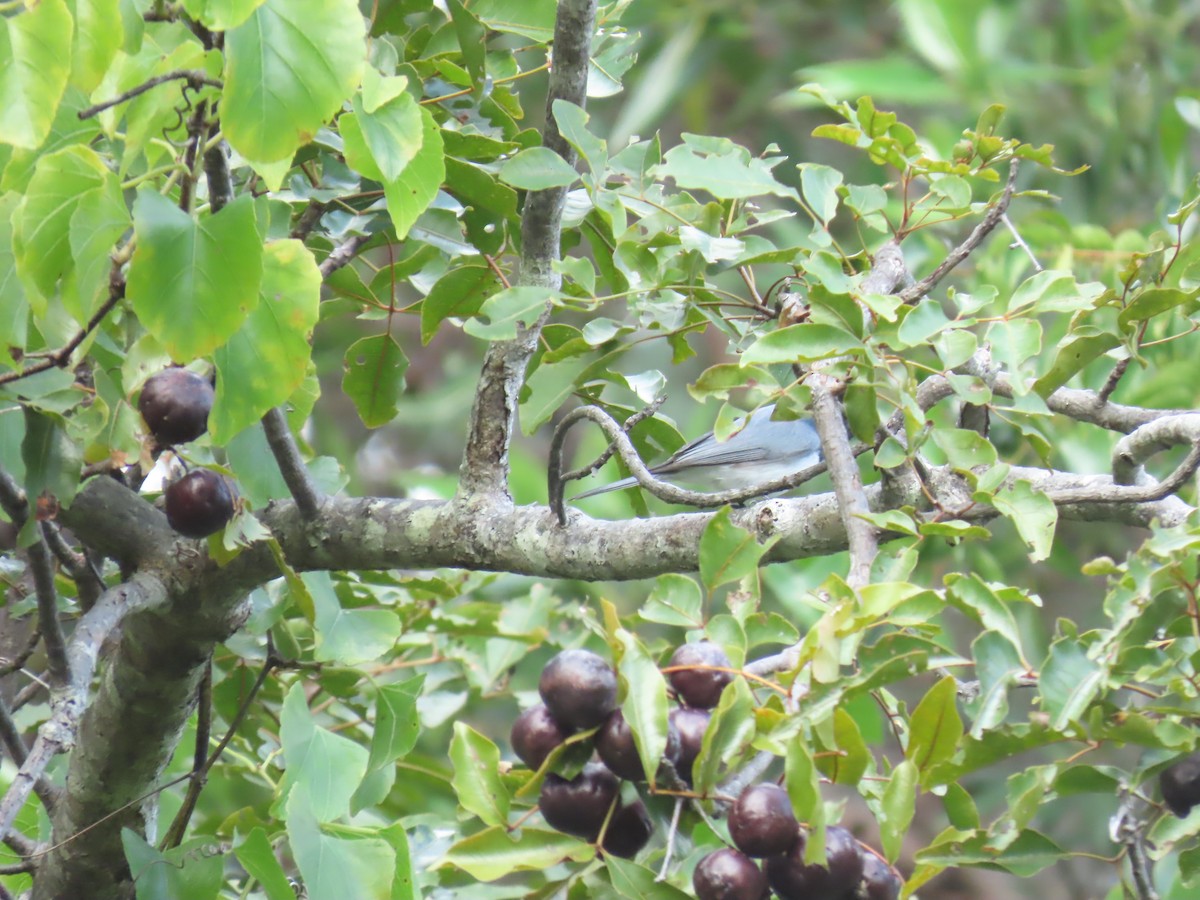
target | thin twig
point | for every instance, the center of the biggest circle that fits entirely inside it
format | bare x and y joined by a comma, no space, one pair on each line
287,456
672,830
963,250
195,77
89,584
41,565
661,489
62,356
18,661
175,833
1113,379
1019,241
628,426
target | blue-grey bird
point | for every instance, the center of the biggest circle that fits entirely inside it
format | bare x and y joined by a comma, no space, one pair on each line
762,451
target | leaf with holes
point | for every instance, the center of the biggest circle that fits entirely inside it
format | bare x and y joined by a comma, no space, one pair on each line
374,378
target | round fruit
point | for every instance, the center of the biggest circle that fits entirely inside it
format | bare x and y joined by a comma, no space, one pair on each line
199,503
535,734
879,879
175,404
729,875
793,880
700,688
628,831
614,743
1181,785
579,688
691,725
579,806
761,822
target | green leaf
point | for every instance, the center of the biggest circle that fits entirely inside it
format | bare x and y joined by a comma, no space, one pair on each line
897,809
192,283
645,704
472,39
935,727
1027,855
191,871
853,757
52,460
722,168
288,68
257,857
411,192
508,310
382,143
351,636
35,61
674,600
477,781
494,853
323,768
1014,341
973,596
803,782
1068,682
43,223
819,184
804,343
536,169
99,220
14,309
636,882
263,364
727,552
1034,515
374,378
396,721
572,125
964,449
404,884
334,868
95,43
1154,302
221,15
729,734
1073,354
459,294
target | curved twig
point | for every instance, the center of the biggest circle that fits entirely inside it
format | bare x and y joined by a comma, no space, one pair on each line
661,489
194,77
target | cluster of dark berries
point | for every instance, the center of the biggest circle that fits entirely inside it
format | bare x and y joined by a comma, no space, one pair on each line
175,404
762,825
579,693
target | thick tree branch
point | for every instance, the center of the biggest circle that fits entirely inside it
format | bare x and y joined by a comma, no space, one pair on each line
887,271
342,254
57,733
484,469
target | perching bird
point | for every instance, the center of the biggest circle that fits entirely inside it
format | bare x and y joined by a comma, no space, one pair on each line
762,451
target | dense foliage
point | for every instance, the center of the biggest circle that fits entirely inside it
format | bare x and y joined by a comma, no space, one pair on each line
268,624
